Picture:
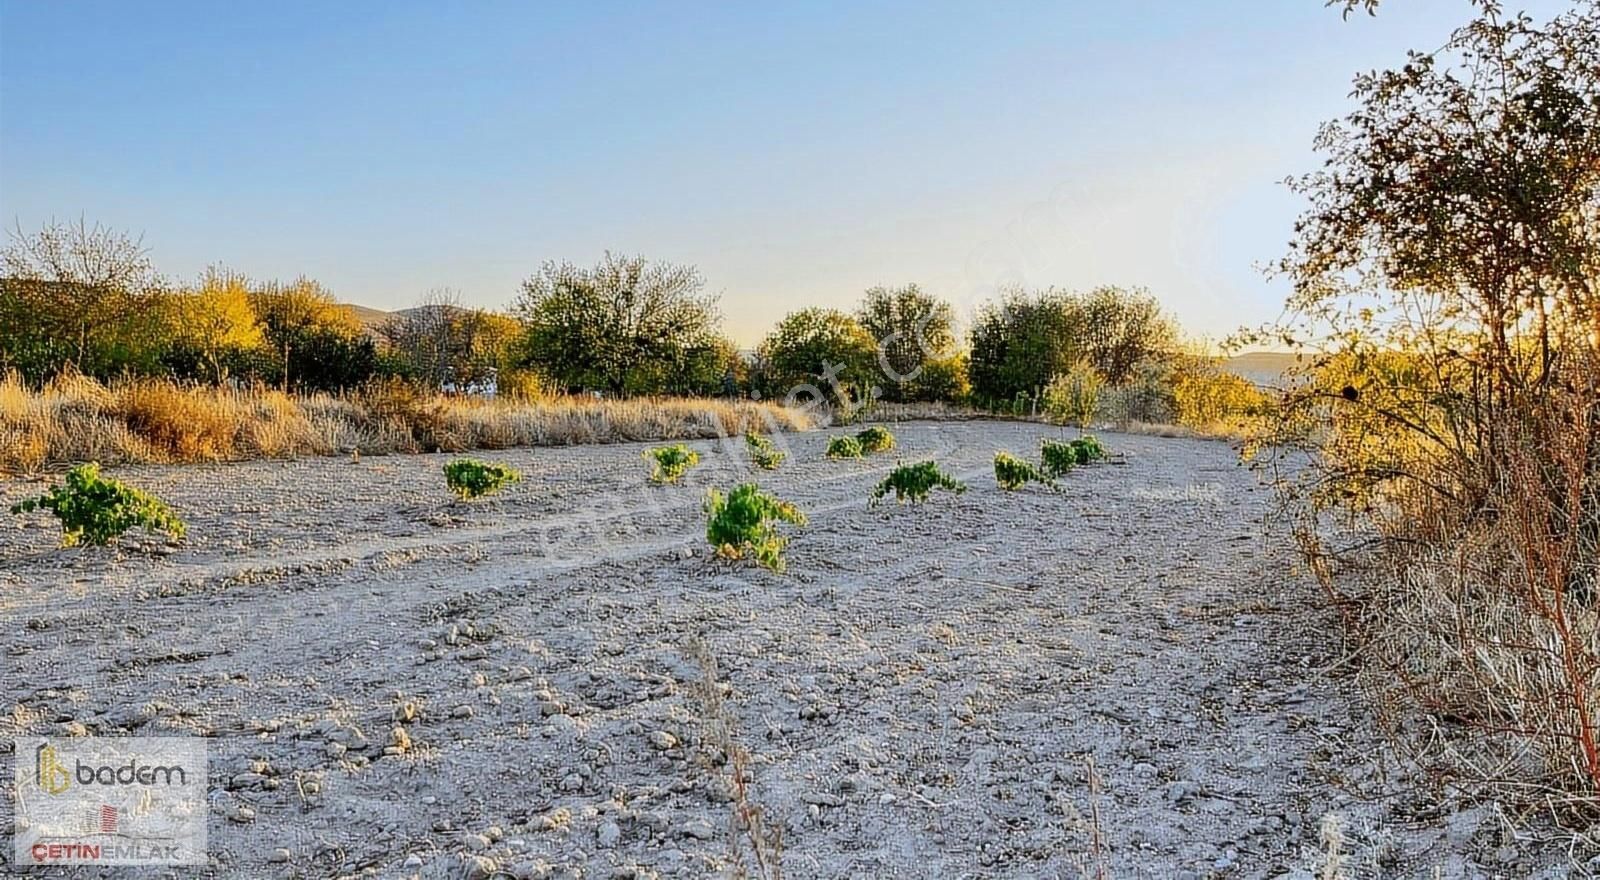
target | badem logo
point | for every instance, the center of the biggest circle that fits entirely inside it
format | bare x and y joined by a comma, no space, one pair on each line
110,801
55,779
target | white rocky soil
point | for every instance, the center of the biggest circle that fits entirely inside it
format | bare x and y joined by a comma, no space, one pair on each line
1124,675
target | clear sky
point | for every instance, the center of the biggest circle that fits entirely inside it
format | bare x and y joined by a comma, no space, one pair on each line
796,153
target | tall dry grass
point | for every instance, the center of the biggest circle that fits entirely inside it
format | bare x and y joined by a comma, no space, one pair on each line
75,418
1468,573
1488,618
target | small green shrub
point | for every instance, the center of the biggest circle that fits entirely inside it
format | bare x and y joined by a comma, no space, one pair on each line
1012,472
875,439
1059,456
668,463
470,478
1056,457
95,510
916,482
1088,449
763,453
844,447
742,523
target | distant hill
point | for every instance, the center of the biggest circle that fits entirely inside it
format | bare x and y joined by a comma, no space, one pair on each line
370,318
1262,367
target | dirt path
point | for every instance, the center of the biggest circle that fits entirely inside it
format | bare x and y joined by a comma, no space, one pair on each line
923,694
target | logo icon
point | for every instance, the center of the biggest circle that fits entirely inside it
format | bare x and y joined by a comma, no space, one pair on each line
53,777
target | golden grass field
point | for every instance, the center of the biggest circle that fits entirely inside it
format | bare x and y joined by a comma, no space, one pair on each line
76,418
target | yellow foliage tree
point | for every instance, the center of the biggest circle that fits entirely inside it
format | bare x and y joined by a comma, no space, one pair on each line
1211,398
291,313
216,317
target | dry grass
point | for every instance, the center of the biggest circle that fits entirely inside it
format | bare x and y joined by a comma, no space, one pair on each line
1237,429
75,419
1472,584
1491,625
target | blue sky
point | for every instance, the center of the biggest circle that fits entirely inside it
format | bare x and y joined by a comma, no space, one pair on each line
796,153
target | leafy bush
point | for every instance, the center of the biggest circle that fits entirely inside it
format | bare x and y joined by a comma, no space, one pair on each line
1056,457
742,523
916,482
875,439
1012,472
763,453
96,510
1073,397
471,478
844,447
670,462
1211,398
1088,449
1146,396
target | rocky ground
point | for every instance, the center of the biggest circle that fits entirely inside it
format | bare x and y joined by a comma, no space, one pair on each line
1122,679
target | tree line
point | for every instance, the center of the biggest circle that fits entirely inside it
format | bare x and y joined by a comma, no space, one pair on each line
85,298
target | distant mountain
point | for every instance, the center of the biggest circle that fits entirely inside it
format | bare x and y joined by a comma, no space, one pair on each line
370,318
1262,367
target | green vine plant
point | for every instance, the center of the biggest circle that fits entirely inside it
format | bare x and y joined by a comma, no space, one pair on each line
96,510
1013,473
668,463
470,478
844,447
875,439
1088,449
1056,457
744,523
915,482
765,455
1059,456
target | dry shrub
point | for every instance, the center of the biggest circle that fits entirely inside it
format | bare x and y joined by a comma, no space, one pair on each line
277,426
526,386
75,418
182,424
399,409
1488,617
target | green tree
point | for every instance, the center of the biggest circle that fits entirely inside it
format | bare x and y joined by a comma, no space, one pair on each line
612,325
81,296
1026,339
317,343
1019,343
819,354
913,330
714,367
1118,328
